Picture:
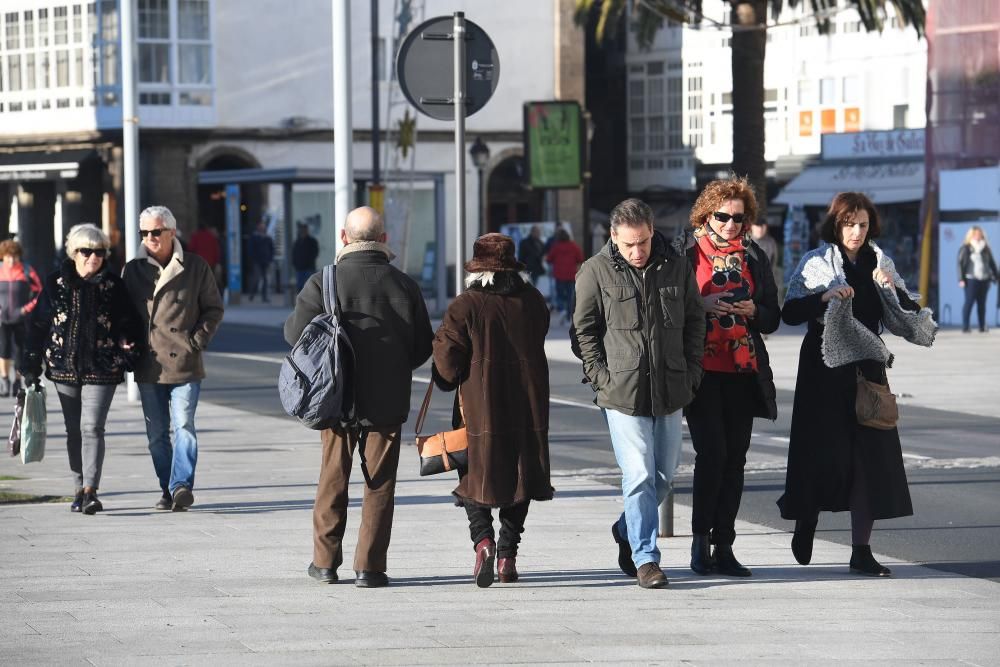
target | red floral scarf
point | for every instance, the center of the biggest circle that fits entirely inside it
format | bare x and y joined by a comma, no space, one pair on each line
721,266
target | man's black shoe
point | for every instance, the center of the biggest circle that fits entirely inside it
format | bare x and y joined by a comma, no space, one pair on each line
366,579
77,505
91,505
726,563
324,575
701,555
165,503
624,552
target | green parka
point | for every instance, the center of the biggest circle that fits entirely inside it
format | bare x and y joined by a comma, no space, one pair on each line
639,333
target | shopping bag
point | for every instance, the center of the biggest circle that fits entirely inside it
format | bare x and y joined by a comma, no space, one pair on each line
14,439
33,424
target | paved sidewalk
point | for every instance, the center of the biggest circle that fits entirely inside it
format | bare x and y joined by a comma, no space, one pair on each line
225,583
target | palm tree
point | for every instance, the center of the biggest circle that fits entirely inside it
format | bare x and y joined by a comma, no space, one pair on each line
749,27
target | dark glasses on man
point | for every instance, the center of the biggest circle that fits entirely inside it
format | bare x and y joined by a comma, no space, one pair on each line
154,232
87,252
738,218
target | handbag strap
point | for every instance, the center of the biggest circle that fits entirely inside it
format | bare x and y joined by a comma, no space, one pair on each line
423,408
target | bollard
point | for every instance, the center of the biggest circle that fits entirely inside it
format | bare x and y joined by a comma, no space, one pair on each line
667,515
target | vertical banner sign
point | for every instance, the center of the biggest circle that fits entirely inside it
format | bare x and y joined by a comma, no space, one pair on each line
805,123
235,283
553,144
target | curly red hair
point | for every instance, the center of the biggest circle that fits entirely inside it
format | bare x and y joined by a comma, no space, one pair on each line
10,247
718,192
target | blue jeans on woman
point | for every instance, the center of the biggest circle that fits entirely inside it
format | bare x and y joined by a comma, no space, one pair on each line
648,450
171,407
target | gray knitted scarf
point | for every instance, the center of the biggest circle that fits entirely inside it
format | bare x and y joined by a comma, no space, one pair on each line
846,340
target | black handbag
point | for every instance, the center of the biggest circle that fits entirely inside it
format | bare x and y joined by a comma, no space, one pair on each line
875,404
444,451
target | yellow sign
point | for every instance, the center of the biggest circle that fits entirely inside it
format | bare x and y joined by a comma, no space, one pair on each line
805,123
828,121
376,197
852,119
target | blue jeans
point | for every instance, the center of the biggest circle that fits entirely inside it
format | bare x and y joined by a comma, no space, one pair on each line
166,407
648,450
564,296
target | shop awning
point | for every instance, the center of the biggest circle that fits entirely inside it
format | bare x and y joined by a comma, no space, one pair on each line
42,165
884,183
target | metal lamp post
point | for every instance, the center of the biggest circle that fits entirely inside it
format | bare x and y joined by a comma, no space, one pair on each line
480,154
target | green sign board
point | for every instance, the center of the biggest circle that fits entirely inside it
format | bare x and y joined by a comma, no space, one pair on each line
553,144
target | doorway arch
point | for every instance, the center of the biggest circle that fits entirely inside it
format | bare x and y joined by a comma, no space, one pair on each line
508,199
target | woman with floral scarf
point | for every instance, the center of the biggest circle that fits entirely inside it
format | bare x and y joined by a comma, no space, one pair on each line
741,304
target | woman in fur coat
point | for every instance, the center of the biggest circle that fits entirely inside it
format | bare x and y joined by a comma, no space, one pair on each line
847,290
491,345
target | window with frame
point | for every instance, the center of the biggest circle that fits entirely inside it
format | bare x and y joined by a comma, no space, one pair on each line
828,90
13,31
194,51
60,26
852,89
29,30
154,41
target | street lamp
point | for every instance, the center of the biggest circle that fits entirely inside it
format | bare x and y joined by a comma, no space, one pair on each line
480,153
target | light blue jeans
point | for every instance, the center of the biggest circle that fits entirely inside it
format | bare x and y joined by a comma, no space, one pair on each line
171,407
648,450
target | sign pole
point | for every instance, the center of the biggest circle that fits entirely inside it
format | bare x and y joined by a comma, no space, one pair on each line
458,35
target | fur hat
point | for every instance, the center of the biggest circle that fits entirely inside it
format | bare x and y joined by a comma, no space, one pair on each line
493,252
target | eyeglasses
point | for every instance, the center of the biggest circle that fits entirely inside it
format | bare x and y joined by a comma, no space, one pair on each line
738,218
154,232
87,252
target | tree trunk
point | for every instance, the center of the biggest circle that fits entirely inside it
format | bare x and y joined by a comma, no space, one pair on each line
748,95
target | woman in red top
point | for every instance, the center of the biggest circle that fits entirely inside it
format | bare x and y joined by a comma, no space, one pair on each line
565,257
19,290
741,303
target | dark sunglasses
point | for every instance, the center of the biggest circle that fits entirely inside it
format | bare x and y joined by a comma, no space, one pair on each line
738,218
155,232
87,252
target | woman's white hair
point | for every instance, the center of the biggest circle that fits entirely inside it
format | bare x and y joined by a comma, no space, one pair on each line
85,235
161,212
486,278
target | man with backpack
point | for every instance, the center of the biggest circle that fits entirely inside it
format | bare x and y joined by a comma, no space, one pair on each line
384,316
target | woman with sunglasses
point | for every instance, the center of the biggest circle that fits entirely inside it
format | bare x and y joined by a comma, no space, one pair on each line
741,303
846,290
85,329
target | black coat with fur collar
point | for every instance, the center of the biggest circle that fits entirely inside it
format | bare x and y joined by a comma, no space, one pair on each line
77,327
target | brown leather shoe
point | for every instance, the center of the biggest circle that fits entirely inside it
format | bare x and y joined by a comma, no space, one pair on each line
507,570
651,576
486,553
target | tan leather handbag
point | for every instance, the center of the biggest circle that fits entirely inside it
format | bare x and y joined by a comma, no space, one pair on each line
444,451
875,404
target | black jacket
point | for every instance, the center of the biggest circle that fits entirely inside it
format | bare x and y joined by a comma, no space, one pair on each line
384,315
765,296
77,326
965,262
305,250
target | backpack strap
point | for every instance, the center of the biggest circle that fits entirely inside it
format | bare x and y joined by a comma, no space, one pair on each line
330,301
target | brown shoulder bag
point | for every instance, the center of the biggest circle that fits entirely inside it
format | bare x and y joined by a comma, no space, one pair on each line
875,404
443,451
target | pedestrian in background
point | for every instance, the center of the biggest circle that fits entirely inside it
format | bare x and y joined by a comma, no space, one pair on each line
847,290
762,237
205,244
260,251
491,348
639,328
19,290
385,318
86,331
305,250
741,305
976,270
565,257
531,252
180,309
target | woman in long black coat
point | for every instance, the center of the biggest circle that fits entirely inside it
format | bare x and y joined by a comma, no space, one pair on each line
835,464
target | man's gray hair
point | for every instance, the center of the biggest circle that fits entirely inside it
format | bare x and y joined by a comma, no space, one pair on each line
631,213
85,235
161,212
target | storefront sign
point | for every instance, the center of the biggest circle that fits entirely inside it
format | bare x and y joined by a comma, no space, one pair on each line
852,119
828,121
874,145
805,123
553,144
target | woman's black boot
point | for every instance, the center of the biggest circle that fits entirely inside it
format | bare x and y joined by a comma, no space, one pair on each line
863,562
701,555
802,540
726,563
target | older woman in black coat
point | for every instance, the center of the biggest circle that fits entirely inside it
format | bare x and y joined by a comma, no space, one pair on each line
846,290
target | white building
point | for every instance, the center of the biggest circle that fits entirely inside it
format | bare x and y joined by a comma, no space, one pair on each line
247,85
680,93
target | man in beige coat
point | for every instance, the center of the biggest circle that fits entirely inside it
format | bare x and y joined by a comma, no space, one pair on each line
175,295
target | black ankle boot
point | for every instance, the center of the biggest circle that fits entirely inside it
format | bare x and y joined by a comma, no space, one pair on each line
802,540
701,555
863,562
726,563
